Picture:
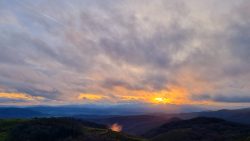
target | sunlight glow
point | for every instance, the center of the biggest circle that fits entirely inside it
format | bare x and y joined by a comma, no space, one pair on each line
116,127
20,96
86,96
161,100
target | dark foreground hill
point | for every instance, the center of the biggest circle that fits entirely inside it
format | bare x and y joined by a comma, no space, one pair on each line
134,124
58,129
69,129
200,129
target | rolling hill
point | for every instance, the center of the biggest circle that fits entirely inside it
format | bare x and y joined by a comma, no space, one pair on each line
132,124
140,124
58,129
136,124
237,115
70,129
200,129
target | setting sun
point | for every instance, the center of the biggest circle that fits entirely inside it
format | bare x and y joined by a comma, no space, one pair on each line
161,100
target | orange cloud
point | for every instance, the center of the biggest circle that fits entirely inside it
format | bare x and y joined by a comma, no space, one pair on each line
172,95
21,96
92,97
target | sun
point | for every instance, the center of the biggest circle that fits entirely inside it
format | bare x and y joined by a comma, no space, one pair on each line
161,100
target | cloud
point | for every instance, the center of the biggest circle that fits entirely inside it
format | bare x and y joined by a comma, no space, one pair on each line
233,98
89,97
125,51
7,98
236,99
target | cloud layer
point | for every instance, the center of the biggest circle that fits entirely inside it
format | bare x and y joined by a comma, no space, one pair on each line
124,51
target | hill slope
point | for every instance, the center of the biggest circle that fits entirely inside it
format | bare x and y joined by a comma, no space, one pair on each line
136,124
200,129
58,129
238,115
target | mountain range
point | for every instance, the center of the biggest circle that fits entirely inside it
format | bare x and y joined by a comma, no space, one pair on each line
31,123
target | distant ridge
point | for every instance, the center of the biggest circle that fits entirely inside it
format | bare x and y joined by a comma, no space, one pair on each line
6,112
200,129
236,115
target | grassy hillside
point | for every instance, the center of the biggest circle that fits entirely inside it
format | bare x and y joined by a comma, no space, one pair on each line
58,129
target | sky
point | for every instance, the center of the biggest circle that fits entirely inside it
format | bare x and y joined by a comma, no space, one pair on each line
159,52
